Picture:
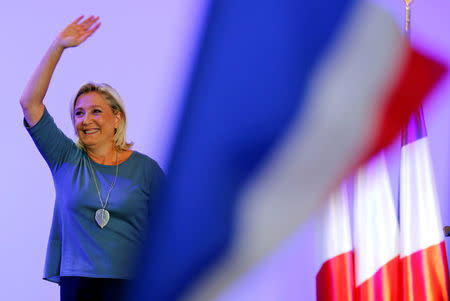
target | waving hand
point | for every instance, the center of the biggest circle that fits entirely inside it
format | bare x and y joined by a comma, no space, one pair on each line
33,95
76,33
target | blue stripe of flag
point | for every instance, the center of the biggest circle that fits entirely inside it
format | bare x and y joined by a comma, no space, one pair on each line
251,74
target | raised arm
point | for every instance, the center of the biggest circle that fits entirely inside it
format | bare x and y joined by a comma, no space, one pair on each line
33,95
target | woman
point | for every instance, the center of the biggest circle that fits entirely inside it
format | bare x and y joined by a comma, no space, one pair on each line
104,190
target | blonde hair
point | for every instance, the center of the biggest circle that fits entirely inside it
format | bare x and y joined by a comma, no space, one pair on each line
115,102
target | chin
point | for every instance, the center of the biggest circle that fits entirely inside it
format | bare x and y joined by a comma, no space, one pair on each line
87,143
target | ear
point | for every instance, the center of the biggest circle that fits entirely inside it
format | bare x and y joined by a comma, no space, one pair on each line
117,119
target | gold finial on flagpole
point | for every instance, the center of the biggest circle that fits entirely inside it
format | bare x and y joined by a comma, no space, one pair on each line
408,16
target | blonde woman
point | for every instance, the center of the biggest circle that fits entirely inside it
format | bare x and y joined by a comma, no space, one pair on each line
104,190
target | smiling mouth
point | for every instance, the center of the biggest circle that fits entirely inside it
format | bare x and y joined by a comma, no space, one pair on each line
88,132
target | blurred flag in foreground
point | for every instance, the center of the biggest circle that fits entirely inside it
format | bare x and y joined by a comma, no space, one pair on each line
335,279
285,99
423,256
376,234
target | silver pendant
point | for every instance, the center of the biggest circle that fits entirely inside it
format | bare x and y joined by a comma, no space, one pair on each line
102,217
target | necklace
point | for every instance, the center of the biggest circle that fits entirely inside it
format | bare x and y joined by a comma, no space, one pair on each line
102,215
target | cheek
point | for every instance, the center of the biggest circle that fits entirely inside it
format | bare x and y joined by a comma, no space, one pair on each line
77,126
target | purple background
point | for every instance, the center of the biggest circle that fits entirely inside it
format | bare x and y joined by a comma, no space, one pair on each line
145,50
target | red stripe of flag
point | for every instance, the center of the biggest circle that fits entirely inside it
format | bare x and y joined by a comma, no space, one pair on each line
335,280
425,275
382,285
415,81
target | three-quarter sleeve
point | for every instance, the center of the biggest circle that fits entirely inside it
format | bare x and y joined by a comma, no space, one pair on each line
51,142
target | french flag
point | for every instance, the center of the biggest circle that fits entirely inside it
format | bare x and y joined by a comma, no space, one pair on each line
423,256
286,98
376,234
335,277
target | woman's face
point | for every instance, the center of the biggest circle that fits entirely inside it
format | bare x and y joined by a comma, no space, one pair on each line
94,120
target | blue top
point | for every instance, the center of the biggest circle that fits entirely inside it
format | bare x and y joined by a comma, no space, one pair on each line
77,245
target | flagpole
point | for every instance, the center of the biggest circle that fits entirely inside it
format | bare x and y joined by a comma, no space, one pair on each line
408,19
404,131
419,120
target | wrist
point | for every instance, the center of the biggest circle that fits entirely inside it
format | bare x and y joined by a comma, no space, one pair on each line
58,44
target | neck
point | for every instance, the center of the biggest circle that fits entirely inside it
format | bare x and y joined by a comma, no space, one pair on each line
106,155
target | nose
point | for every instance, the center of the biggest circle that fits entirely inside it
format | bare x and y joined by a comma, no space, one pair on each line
86,119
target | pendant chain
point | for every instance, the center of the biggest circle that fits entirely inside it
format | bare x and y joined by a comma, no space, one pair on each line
96,185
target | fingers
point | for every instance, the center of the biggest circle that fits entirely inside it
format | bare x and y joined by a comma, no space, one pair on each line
86,24
83,24
76,32
95,28
78,19
89,32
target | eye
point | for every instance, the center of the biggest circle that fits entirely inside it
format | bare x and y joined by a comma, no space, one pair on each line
96,111
78,113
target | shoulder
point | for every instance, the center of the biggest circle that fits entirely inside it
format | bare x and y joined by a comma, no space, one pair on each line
43,121
152,169
144,159
155,177
45,126
53,144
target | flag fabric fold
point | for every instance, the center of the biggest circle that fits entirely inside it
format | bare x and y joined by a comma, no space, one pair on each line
376,234
335,277
424,264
